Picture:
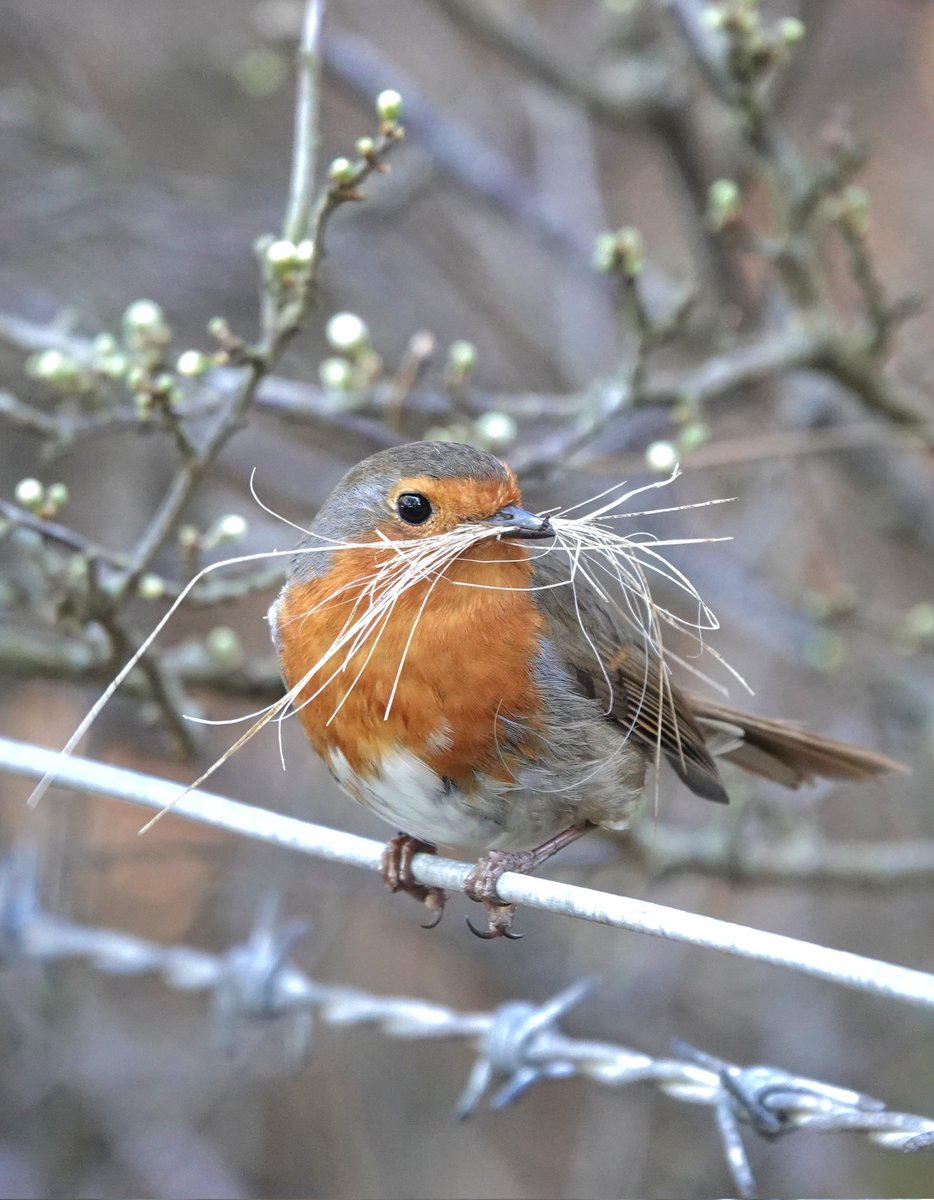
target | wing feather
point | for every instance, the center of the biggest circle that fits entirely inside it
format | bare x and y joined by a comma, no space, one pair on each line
626,678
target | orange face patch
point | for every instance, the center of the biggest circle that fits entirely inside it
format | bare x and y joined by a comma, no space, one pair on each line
454,501
467,678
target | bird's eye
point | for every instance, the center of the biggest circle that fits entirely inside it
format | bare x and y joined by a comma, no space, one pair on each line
413,508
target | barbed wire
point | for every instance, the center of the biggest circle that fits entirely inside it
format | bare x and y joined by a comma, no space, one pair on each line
517,1045
874,976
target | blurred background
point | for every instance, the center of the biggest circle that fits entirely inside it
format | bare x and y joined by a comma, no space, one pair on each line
145,147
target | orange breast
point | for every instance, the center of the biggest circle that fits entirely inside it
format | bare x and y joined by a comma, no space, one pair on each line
466,684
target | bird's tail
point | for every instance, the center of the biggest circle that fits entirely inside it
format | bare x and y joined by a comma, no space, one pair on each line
783,751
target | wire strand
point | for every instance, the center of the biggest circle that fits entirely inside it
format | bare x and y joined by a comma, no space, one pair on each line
623,912
516,1045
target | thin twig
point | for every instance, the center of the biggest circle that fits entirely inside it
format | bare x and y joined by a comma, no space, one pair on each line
644,91
305,140
27,655
806,859
282,316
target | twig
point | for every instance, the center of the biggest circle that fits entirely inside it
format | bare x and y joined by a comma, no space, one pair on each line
305,138
283,308
820,962
646,93
207,594
808,860
794,190
474,164
28,655
163,689
52,531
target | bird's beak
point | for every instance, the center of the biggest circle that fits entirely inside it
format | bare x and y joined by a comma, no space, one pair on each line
513,521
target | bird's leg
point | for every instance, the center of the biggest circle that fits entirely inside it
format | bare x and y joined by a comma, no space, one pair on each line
396,870
482,881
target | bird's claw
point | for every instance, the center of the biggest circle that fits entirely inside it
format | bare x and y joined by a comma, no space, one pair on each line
500,923
481,885
396,870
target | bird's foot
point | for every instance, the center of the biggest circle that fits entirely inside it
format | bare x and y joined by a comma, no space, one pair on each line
482,882
396,870
481,885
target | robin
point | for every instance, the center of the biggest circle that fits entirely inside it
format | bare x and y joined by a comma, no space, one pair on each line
467,679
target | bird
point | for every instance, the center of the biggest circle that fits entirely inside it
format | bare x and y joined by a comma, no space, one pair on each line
467,680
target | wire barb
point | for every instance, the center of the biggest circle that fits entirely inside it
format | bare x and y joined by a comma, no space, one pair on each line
508,1047
519,1042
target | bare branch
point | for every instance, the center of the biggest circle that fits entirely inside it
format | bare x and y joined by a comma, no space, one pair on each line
807,859
305,140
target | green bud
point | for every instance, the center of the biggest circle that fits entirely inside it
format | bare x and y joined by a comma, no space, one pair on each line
723,204
163,385
52,366
825,650
144,314
260,71
694,434
389,106
223,645
496,430
341,170
113,366
791,30
280,254
621,251
230,528
189,537
192,363
462,358
104,345
137,380
336,374
855,209
712,17
457,431
144,325
45,364
219,329
56,497
631,251
605,258
305,251
150,587
661,456
365,147
30,494
687,409
347,333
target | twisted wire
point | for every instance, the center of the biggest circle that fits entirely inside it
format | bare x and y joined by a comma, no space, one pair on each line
516,1046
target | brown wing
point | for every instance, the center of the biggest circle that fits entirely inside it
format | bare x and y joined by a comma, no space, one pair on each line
630,685
688,730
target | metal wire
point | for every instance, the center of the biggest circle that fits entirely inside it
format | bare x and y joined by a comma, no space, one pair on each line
624,912
517,1045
